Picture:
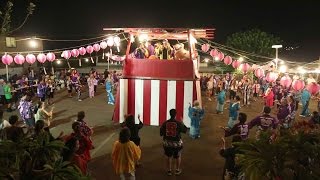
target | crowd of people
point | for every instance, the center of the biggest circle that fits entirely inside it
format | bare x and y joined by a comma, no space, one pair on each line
242,91
126,153
33,98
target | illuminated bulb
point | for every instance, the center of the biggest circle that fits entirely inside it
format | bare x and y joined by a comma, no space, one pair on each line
87,60
110,41
131,38
143,37
206,60
193,40
241,59
283,69
58,62
116,40
33,43
216,58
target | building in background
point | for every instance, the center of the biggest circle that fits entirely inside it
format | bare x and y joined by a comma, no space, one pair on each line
13,46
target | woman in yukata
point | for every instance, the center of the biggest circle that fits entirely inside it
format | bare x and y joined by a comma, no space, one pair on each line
91,81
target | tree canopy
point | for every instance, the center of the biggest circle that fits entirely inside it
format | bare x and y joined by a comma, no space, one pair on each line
6,15
254,41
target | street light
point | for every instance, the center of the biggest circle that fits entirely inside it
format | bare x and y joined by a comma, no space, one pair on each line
276,47
33,43
283,68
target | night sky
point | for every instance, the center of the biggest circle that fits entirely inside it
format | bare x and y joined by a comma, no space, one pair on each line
297,23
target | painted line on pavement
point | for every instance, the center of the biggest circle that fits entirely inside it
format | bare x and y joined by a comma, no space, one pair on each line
102,144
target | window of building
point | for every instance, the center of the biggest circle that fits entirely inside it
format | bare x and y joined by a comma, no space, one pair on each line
11,42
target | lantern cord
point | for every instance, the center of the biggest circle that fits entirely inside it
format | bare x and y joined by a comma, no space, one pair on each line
247,53
223,47
62,49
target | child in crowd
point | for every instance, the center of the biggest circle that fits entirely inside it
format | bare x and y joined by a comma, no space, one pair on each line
125,154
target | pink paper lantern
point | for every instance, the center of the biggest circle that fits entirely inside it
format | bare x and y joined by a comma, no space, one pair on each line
96,47
82,51
245,67
221,56
205,47
66,54
236,64
19,59
110,41
7,59
51,57
227,60
75,52
30,58
298,85
313,88
214,53
259,73
271,77
286,81
89,49
41,58
103,45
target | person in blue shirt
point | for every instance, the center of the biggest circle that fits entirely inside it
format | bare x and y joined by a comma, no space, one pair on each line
109,90
305,98
233,112
221,100
196,114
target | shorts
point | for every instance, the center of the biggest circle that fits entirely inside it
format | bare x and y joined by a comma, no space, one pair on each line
3,99
174,152
8,101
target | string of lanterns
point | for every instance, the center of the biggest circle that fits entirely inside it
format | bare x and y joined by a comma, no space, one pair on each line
259,71
7,59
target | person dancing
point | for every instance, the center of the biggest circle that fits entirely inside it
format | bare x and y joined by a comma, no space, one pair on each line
91,81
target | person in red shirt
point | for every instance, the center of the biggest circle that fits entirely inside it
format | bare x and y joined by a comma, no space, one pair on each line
69,154
172,144
85,145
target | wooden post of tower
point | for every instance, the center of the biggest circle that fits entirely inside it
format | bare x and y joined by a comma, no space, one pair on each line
318,70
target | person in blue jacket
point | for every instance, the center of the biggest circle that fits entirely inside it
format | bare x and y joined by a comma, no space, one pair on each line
305,98
109,90
221,100
196,114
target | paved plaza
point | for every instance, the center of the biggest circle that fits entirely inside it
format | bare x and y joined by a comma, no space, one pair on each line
200,157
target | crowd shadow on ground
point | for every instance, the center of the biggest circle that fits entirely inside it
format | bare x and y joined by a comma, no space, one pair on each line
58,122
